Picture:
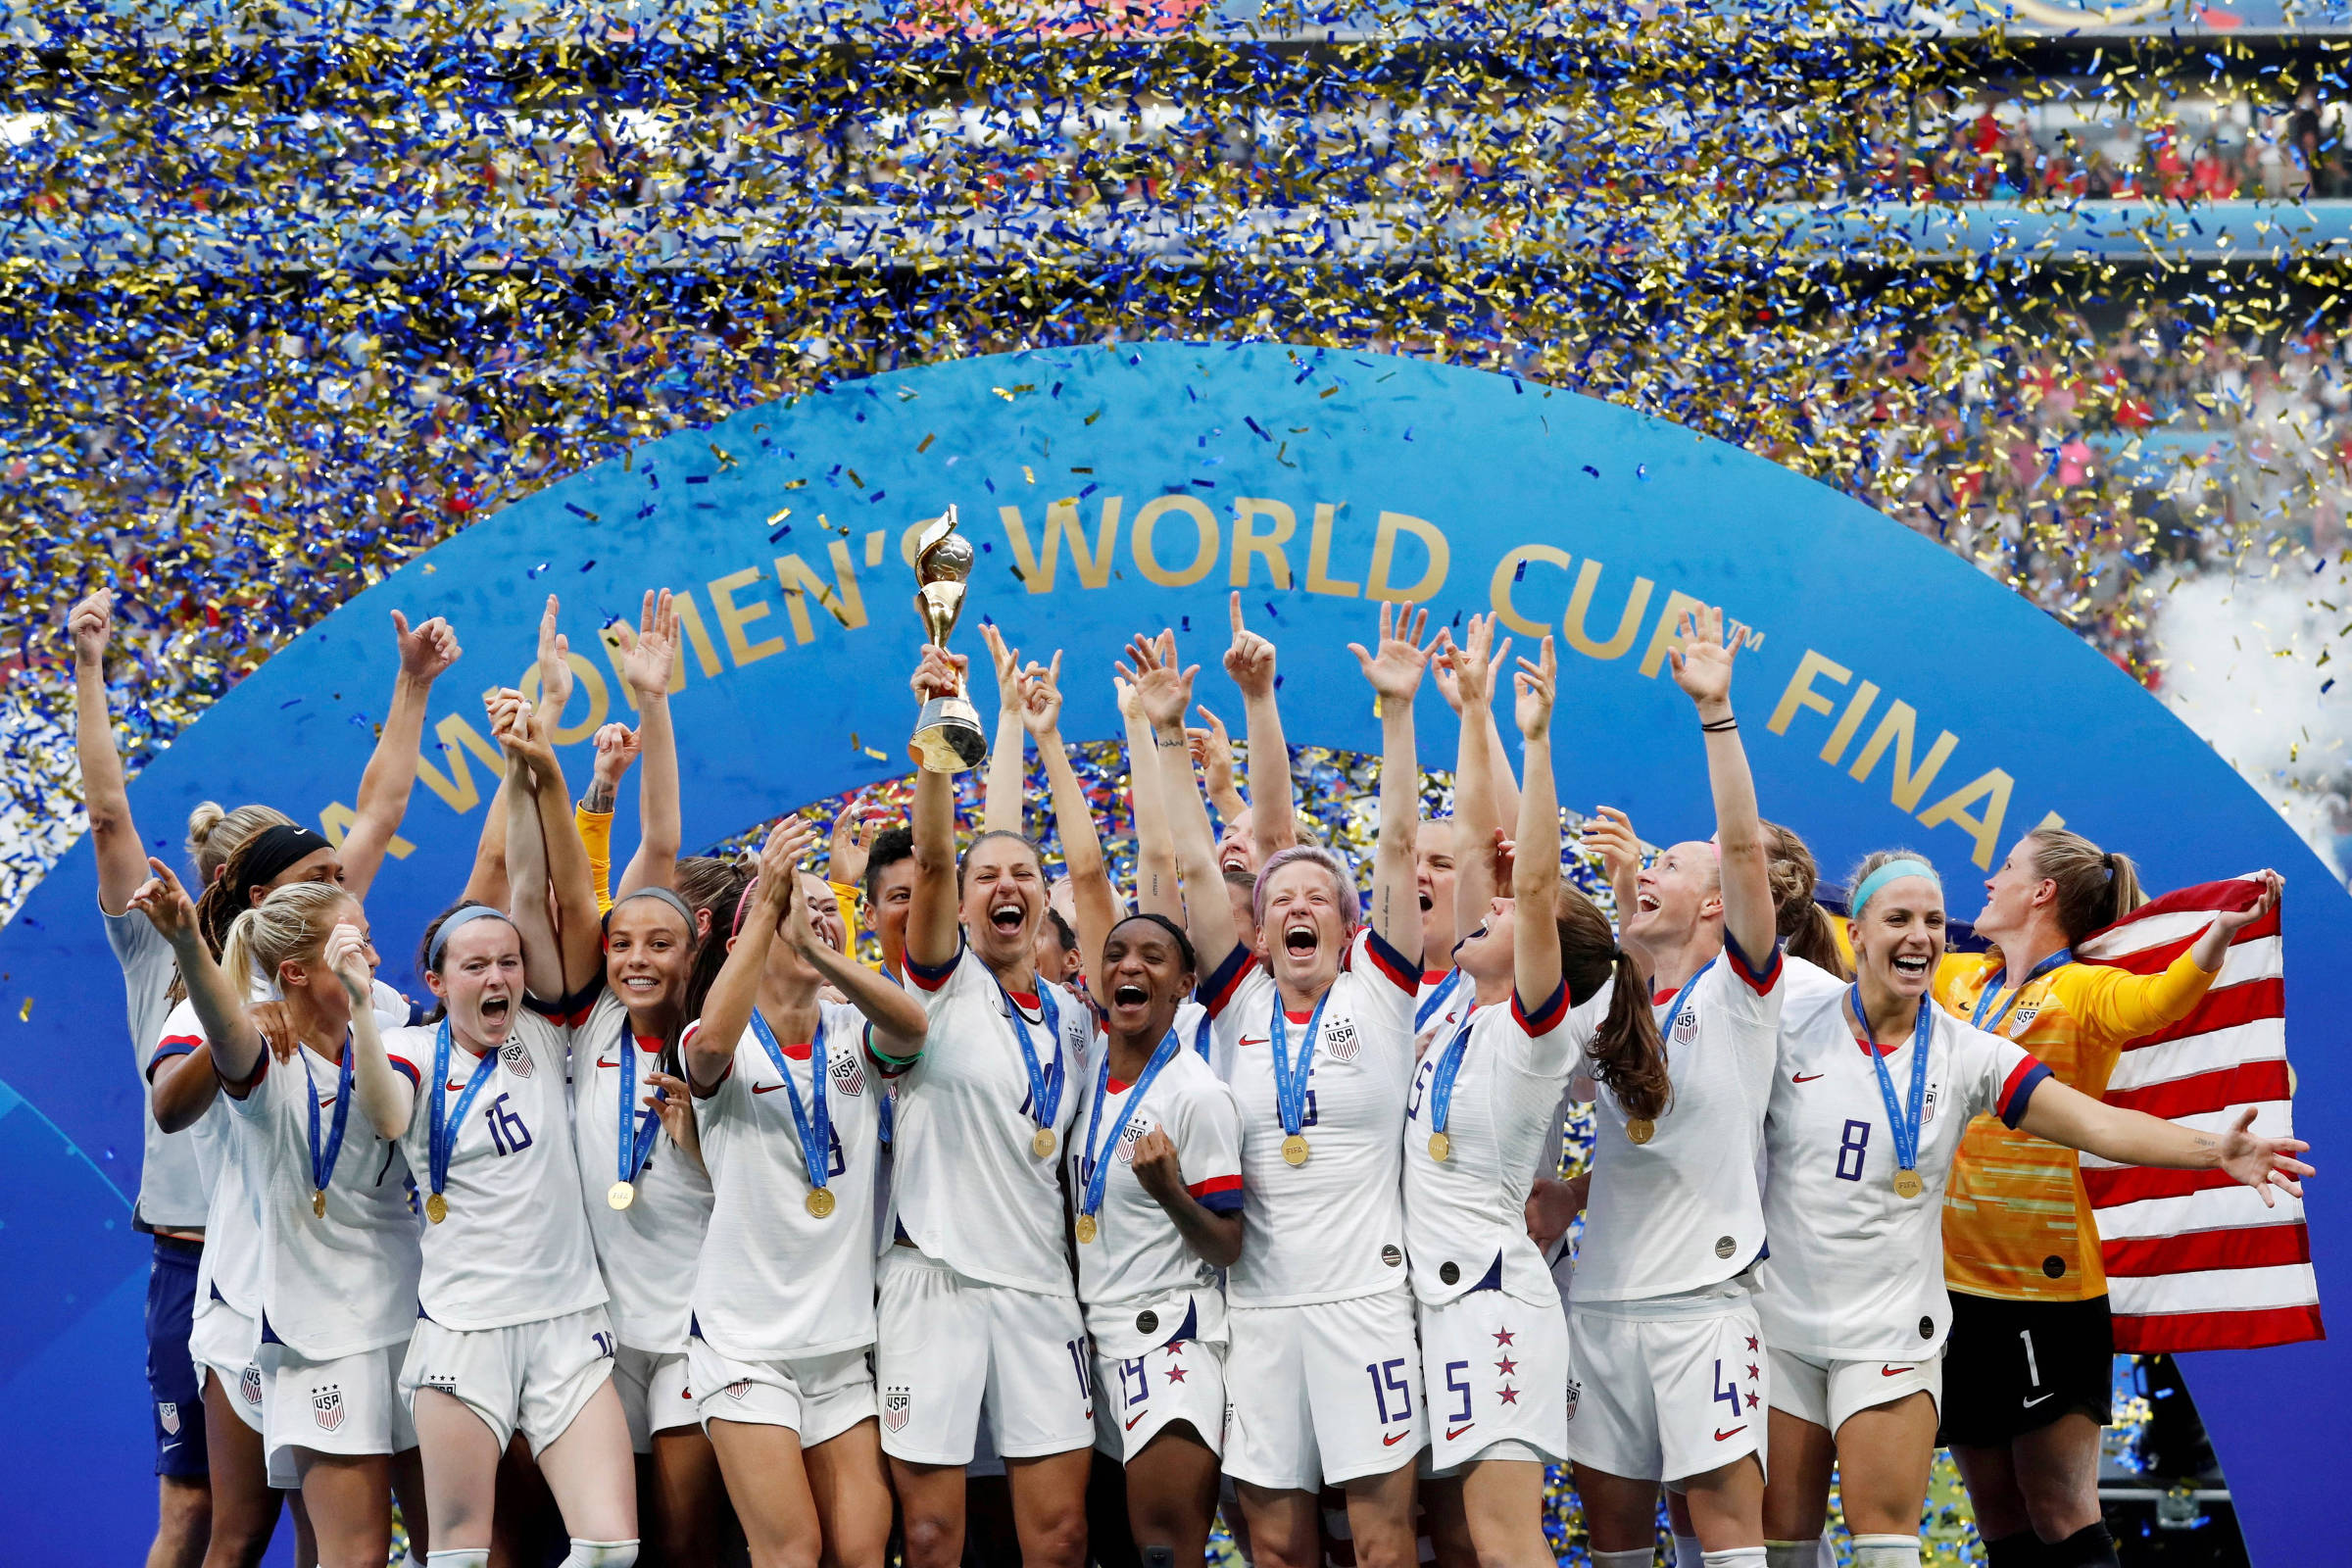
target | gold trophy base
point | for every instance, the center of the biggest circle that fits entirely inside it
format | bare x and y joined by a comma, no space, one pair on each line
948,738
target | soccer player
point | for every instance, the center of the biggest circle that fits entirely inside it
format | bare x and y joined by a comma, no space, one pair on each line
1874,1087
2028,1365
1668,1380
1313,1030
977,1307
337,1248
513,1330
1444,1000
1494,1342
789,1090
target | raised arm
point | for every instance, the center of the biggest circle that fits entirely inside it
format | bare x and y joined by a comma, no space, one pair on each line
1081,843
649,660
1535,856
735,992
1156,886
1163,689
1609,833
527,850
1468,666
1212,754
1273,813
1702,669
122,857
385,1096
1504,788
1002,808
1395,675
391,774
898,1021
2068,1116
932,919
236,1044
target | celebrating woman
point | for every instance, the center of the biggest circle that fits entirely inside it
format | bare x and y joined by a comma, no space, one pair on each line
1313,1029
1874,1087
789,1089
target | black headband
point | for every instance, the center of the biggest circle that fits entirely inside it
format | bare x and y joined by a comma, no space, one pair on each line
1184,944
271,851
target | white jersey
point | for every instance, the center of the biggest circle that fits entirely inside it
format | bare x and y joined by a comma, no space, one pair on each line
648,1249
1857,1271
1465,1216
1193,1027
1138,1263
345,1281
774,1282
1684,1211
1332,1229
967,1184
231,1264
1441,1007
514,1246
172,1194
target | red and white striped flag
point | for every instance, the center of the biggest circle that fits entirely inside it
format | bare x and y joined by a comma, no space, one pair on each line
2195,1260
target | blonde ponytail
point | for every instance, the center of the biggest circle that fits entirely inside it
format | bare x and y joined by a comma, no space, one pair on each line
291,923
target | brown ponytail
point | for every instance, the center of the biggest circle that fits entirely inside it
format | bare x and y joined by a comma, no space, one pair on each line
2095,887
1805,926
1628,1053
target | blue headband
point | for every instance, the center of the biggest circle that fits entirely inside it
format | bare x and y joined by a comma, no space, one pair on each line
466,916
1891,871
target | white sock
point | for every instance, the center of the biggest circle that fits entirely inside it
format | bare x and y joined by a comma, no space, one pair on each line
1791,1553
1642,1557
458,1557
601,1554
1824,1554
1687,1552
1736,1557
1885,1552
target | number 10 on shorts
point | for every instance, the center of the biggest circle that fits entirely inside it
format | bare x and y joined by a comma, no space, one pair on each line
1387,1377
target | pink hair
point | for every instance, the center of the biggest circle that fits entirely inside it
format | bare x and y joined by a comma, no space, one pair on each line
1352,902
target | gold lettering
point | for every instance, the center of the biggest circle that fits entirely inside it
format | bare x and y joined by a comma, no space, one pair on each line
1384,558
1062,521
1898,728
697,636
1507,573
1629,625
1986,826
840,597
1211,538
1801,692
734,617
585,677
1248,542
456,789
1850,721
1318,557
338,820
1669,623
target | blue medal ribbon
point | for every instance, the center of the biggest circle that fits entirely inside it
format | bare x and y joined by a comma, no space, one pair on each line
441,1133
1906,1131
1045,1086
323,1161
1436,1003
1450,1066
1675,1010
816,1131
1290,1089
636,1137
2062,956
1097,1172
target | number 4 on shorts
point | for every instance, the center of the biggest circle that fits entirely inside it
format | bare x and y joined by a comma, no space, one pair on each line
1727,1392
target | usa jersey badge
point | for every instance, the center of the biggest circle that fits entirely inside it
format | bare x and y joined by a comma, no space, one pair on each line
516,1056
2020,1020
1128,1135
1686,1026
849,1075
326,1407
1340,1041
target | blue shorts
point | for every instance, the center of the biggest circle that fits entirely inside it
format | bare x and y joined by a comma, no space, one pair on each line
172,1377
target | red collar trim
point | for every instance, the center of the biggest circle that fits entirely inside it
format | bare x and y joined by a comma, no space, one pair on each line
1027,998
1117,1086
1299,1017
649,1042
802,1052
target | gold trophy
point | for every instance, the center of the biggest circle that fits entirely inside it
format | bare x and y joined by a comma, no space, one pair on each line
948,738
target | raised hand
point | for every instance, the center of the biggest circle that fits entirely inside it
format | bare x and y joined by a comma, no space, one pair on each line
166,904
649,655
615,749
1395,672
780,865
1468,666
1533,683
346,955
1609,833
1162,691
1250,661
521,731
426,650
940,674
90,624
1040,698
855,830
1155,1166
1702,665
555,662
1008,663
2230,922
2263,1163
1212,754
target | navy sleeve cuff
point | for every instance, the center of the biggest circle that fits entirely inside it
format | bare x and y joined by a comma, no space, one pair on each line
2019,1091
1542,1020
1218,990
931,976
1759,979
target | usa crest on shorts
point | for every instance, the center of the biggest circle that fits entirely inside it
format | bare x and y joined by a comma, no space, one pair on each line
518,1058
896,1404
249,1384
326,1407
738,1388
1576,1391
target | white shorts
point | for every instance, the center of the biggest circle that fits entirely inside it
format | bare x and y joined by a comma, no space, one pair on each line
818,1396
1183,1380
1826,1392
1322,1393
1495,1371
536,1376
227,1343
947,1345
1665,1396
351,1405
652,1394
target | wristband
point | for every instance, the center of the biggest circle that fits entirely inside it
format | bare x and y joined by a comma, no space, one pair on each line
1721,726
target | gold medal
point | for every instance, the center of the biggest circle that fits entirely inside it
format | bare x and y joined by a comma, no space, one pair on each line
1043,1143
1640,1129
1087,1228
1441,1146
820,1201
620,1195
436,1208
1293,1149
319,1203
1908,1185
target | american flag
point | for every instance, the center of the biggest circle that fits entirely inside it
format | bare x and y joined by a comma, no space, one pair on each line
2195,1260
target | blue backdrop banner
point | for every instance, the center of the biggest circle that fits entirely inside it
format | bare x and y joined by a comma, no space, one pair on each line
1892,694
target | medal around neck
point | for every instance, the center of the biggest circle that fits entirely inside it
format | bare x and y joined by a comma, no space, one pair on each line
620,1195
948,738
1908,1185
1088,1230
1640,1129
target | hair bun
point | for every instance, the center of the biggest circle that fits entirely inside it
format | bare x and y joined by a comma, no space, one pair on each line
207,816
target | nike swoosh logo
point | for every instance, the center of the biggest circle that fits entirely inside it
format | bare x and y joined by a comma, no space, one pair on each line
602,1063
1452,1432
765,1089
2031,1403
1803,1077
457,1089
1394,1439
1892,1371
1131,1424
1724,1436
1247,1040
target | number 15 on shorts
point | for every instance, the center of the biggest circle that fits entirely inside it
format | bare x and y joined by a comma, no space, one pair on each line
1392,1390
